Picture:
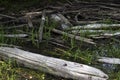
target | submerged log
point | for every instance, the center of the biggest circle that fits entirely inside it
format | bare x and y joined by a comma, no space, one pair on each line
53,66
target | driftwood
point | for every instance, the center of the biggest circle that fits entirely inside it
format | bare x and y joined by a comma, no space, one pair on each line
9,45
40,32
105,35
53,65
34,14
109,60
3,15
74,36
15,27
112,34
14,35
98,26
28,17
87,31
58,44
86,22
60,19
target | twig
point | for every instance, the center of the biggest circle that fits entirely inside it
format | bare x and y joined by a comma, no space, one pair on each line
58,44
7,16
1,9
18,26
9,45
34,14
86,22
106,7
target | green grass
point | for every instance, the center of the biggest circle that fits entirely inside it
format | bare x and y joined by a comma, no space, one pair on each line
10,72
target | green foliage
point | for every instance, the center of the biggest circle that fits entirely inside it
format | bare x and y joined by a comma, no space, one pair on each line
6,71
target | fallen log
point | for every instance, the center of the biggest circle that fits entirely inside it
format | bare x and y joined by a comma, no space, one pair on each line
97,26
105,35
87,31
42,24
53,66
34,14
60,19
86,40
15,27
3,15
109,60
14,35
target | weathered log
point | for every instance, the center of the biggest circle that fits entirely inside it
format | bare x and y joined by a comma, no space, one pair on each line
51,65
14,35
87,31
111,34
17,27
98,26
109,60
105,35
86,22
34,14
90,41
40,32
60,19
11,17
29,20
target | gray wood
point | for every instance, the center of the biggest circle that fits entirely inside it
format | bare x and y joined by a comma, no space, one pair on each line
52,65
86,40
97,26
109,60
40,32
